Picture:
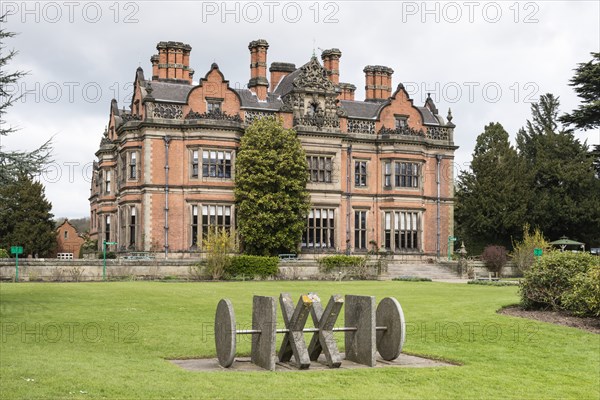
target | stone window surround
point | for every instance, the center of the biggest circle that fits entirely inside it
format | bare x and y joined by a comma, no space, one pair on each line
361,233
196,168
364,175
396,230
198,224
400,120
322,173
391,173
324,233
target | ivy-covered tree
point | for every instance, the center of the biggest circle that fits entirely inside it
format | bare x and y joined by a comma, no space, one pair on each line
492,196
13,163
564,188
586,82
270,189
25,218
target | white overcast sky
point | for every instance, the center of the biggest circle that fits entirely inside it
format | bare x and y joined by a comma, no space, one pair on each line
486,60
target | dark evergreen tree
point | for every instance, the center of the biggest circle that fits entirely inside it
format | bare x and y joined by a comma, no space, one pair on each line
270,189
13,163
563,183
492,197
586,82
595,154
25,218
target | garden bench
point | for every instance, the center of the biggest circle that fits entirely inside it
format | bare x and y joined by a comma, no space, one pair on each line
487,278
139,256
288,257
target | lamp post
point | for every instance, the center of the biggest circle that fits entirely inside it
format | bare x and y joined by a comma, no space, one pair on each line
104,243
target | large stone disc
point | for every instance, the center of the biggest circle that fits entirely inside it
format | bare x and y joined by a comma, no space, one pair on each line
225,333
391,340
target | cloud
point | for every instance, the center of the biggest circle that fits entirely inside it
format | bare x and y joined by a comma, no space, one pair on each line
484,65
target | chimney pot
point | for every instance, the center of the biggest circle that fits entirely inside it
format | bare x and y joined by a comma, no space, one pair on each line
258,68
331,63
378,82
280,70
172,62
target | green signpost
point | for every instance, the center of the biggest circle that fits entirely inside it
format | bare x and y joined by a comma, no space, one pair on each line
537,252
104,243
450,240
16,250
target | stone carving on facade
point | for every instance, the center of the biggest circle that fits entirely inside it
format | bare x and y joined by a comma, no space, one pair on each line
105,141
130,117
402,131
217,115
251,115
313,77
293,102
167,111
313,98
361,126
438,133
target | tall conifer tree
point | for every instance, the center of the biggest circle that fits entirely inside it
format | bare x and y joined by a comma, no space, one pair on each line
492,197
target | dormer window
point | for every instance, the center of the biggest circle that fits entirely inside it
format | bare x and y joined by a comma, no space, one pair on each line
401,121
213,105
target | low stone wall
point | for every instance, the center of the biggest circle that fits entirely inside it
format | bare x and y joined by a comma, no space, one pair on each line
509,270
49,270
92,270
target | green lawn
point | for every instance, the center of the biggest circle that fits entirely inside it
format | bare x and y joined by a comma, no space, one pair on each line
110,340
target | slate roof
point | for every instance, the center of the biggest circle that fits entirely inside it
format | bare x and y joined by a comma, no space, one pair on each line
361,109
249,100
428,117
177,93
170,91
286,84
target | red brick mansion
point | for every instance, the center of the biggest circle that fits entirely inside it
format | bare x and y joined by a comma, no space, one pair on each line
380,169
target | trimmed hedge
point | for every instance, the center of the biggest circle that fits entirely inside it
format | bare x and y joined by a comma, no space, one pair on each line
493,283
563,281
412,279
251,266
110,255
329,263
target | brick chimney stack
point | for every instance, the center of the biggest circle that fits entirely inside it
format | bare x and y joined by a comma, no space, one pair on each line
279,70
154,61
347,91
378,82
172,62
331,63
258,83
